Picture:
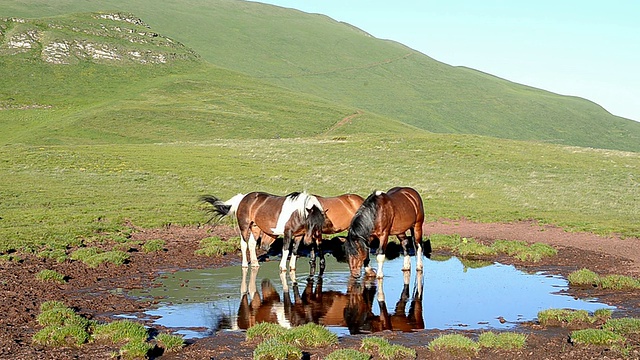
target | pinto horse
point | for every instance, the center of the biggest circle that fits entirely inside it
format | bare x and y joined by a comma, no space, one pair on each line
381,215
266,216
338,213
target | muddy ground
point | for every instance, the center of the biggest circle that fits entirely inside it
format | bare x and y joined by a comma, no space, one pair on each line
97,293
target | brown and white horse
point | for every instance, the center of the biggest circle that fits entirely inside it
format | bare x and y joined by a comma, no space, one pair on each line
267,216
338,213
381,215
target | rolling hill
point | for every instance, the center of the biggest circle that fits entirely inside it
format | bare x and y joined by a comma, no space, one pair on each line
344,68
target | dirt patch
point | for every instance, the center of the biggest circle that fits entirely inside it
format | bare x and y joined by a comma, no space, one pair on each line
98,293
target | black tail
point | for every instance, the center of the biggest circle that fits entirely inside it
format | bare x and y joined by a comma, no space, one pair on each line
362,224
218,209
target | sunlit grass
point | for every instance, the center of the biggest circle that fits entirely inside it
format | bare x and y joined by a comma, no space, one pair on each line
50,275
586,277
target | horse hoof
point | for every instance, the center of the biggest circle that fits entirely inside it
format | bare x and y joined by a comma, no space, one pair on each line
370,273
409,269
380,277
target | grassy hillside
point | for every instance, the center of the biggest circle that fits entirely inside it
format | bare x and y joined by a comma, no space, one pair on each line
90,78
315,55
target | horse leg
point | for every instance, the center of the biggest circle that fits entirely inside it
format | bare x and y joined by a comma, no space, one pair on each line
286,244
380,256
322,262
244,234
253,243
294,253
407,259
416,234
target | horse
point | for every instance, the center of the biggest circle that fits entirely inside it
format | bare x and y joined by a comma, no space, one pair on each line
381,215
265,216
338,213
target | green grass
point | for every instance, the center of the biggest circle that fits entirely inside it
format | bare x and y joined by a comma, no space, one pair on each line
623,326
121,331
50,275
456,344
504,341
347,354
68,194
586,277
263,331
570,317
470,248
382,349
170,343
153,246
596,337
62,326
275,349
215,246
93,256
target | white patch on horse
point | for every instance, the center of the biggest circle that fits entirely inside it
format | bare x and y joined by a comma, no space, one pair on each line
378,193
290,205
234,202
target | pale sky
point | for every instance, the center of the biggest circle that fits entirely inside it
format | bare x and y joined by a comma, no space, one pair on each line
587,48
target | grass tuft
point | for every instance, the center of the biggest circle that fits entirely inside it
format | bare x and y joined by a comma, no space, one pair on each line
264,331
274,349
382,349
623,326
586,277
505,341
309,335
153,246
455,344
347,354
50,275
93,257
121,331
170,343
215,246
596,337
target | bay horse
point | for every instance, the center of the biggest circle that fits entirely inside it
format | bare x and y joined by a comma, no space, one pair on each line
338,213
265,216
381,215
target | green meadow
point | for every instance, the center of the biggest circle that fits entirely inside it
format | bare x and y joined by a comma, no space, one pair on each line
70,194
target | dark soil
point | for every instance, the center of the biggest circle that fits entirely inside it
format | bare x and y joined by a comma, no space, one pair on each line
99,293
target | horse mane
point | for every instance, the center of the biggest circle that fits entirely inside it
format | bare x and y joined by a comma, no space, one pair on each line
362,225
314,221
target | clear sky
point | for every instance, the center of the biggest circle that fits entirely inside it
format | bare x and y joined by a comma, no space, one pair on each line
585,48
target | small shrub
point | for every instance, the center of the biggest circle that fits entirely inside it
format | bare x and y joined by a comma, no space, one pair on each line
624,326
274,349
263,331
170,343
215,246
153,246
456,344
50,275
347,354
596,337
505,341
384,350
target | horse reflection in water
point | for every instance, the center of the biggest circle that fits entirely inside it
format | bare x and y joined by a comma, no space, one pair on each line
352,310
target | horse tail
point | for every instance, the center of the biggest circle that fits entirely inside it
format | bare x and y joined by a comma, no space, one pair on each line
362,224
222,208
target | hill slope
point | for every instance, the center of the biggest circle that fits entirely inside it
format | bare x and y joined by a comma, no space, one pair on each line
109,78
315,55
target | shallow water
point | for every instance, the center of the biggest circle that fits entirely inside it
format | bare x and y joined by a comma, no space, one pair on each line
453,295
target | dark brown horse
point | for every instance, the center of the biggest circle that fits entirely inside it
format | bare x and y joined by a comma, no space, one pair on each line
338,213
381,215
265,216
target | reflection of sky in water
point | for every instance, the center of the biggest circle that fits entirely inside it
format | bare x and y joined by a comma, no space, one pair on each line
199,302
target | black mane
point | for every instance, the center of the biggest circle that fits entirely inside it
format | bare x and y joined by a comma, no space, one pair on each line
362,225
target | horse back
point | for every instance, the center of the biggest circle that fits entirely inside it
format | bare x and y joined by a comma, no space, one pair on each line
261,209
405,206
339,211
